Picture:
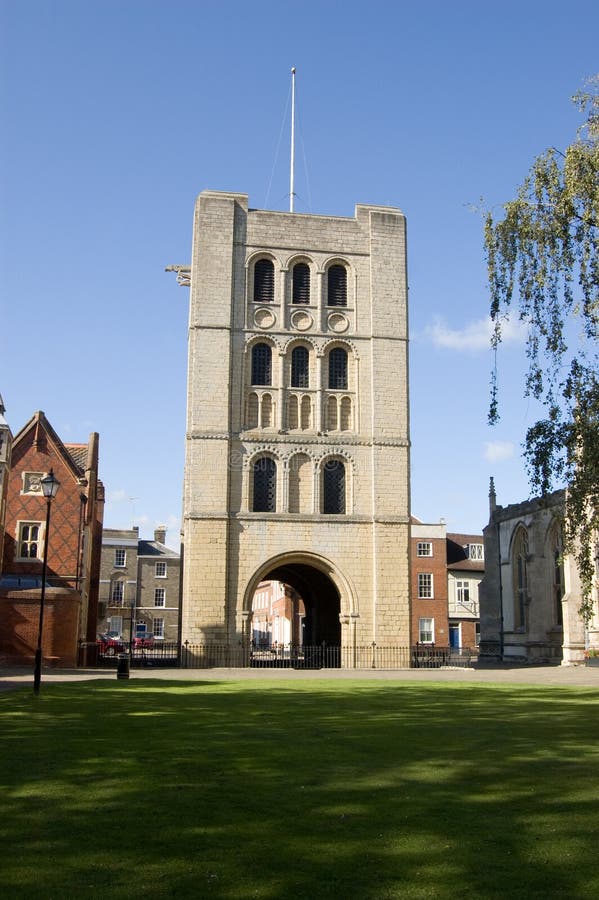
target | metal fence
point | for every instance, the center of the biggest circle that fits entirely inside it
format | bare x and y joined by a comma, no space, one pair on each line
278,656
161,654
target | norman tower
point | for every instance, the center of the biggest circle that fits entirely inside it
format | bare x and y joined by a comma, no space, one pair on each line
297,444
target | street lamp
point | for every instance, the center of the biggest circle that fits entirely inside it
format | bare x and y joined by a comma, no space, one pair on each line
50,485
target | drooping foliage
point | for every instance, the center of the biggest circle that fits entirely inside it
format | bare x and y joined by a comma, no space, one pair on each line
543,264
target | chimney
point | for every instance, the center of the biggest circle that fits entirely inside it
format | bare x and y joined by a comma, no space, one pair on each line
160,534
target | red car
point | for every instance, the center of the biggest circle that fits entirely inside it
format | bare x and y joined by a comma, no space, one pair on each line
143,642
111,643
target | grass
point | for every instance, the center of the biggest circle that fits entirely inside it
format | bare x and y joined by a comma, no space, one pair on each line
349,789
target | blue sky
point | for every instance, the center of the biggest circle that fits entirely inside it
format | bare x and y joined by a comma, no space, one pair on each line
116,114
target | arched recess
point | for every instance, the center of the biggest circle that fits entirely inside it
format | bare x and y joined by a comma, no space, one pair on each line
555,555
301,481
519,551
326,593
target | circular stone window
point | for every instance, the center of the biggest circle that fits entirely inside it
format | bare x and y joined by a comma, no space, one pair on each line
338,323
264,318
301,320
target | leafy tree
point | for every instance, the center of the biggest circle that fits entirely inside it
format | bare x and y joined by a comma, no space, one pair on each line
543,264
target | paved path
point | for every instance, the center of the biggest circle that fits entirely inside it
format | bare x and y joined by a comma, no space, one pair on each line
554,676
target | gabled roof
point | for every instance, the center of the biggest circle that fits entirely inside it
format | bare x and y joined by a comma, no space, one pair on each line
74,455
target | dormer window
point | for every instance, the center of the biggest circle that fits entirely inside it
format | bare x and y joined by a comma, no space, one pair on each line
476,551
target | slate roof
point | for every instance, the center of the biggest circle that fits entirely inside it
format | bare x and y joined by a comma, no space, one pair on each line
153,548
457,554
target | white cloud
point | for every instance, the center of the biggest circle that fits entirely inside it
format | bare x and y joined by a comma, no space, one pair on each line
496,451
475,336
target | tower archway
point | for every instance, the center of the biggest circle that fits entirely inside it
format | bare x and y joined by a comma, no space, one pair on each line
325,594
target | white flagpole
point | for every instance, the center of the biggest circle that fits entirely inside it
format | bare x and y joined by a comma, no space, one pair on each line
292,175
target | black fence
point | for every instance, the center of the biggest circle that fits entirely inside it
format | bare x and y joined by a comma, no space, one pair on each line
161,654
276,656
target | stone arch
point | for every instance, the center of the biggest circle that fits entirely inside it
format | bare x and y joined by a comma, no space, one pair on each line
345,343
337,283
348,471
315,578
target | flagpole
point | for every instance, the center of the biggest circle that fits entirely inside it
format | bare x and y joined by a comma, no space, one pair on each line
292,167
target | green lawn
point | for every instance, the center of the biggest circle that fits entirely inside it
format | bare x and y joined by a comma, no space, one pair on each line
346,789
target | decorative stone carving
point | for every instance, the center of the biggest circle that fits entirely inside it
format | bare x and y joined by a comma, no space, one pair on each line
338,323
264,318
301,320
32,482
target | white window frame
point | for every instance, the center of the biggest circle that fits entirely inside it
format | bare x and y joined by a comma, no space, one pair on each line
117,556
158,628
40,539
463,587
160,569
113,620
160,593
426,630
424,548
117,587
476,551
426,589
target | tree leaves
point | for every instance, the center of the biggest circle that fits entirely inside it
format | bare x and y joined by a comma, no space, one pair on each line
543,262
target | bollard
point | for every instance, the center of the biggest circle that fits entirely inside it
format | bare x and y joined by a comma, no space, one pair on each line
122,666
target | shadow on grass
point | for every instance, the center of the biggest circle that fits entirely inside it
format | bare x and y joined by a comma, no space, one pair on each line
345,789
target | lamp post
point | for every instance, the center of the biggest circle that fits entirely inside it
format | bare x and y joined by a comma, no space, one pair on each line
50,485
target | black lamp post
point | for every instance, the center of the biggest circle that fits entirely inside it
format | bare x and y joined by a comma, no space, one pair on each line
50,485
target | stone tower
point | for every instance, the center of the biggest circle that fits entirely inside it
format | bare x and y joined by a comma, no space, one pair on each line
297,444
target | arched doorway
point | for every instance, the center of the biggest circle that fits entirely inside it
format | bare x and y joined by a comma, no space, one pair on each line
309,594
321,601
318,604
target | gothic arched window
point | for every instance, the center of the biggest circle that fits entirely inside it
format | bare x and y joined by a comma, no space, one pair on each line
337,286
520,576
261,364
264,281
338,369
557,561
301,283
333,487
300,362
264,473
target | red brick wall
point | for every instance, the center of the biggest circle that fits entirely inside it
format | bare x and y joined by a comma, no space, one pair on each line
65,513
437,607
19,625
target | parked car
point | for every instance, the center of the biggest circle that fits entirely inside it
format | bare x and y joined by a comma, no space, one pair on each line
111,643
143,641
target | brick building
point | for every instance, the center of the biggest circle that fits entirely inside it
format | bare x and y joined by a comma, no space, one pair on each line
297,443
430,621
465,571
278,614
5,458
73,559
446,570
139,585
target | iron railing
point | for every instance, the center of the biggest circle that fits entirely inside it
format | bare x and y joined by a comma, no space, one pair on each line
240,654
